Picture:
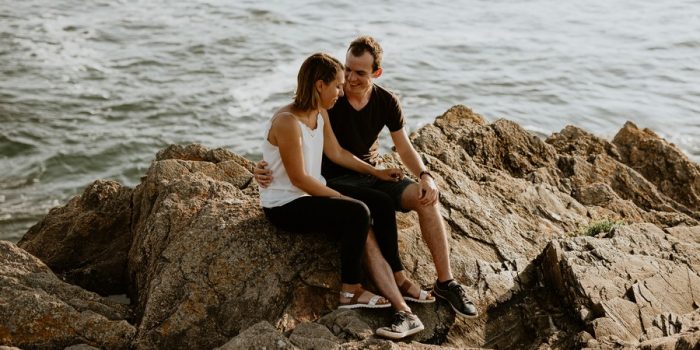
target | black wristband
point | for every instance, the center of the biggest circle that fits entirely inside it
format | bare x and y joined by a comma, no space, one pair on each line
425,172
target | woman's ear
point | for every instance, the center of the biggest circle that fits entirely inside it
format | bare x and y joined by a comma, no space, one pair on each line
319,85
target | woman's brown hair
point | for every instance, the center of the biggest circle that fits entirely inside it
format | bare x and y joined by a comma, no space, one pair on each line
319,66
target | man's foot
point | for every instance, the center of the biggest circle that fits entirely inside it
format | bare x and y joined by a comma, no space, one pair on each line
405,323
455,294
412,292
361,298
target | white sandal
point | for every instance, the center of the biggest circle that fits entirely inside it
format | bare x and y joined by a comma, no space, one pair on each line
424,296
376,302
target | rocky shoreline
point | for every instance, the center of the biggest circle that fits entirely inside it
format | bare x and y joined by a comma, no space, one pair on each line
204,269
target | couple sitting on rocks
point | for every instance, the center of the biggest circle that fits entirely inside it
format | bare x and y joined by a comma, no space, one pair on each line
317,175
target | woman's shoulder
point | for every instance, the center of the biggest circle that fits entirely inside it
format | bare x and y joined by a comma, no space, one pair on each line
284,119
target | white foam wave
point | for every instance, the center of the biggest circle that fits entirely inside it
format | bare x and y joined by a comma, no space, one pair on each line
251,96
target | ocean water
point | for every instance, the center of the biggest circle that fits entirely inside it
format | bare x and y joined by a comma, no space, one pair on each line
93,89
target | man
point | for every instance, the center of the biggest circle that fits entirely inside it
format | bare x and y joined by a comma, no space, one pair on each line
357,118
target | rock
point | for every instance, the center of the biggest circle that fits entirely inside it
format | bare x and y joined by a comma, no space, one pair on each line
230,167
347,325
632,280
310,336
259,336
661,163
495,229
501,145
87,241
686,341
689,234
39,311
586,160
575,141
599,194
197,152
205,267
205,263
81,347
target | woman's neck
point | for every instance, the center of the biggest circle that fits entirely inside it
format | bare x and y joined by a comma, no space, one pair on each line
306,115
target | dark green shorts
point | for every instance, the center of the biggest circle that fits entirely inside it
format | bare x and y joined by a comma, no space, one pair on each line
393,189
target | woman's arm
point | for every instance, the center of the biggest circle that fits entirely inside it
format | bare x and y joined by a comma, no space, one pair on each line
286,134
340,156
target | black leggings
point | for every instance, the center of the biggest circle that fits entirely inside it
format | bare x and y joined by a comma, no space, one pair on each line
345,218
381,208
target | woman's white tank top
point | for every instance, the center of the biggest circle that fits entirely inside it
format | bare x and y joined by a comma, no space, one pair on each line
281,191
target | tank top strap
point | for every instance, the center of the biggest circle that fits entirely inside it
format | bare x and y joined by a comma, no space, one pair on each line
304,128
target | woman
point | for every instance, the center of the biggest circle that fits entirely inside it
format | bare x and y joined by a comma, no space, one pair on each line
298,200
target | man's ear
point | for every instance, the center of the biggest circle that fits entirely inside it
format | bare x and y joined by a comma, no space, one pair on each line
377,73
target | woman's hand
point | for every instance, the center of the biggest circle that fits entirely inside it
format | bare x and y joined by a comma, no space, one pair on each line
391,174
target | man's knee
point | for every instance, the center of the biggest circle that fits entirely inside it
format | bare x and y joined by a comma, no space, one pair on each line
411,201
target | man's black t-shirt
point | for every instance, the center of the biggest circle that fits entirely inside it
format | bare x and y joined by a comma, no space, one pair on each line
358,131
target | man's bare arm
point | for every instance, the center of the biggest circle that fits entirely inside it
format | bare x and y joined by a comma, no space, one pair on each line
429,192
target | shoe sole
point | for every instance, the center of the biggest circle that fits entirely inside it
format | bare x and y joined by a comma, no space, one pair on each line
364,306
435,293
395,336
420,301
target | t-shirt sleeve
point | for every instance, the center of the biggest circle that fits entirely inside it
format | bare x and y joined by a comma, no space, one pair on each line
395,120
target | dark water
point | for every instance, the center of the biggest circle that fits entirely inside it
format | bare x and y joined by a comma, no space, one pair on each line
94,89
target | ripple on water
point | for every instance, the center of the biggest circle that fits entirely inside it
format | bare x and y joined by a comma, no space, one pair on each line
12,148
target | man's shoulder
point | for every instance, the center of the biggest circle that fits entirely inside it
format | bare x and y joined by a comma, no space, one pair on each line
384,92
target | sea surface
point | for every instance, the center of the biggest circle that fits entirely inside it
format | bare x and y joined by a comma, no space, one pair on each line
93,89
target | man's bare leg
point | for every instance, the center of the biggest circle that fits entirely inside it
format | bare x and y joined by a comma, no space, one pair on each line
433,230
435,236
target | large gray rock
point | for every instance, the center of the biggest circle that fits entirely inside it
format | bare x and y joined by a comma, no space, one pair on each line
39,311
629,286
660,162
575,141
587,160
261,335
205,263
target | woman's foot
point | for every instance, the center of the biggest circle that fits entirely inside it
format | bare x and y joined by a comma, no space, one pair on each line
361,298
405,323
412,292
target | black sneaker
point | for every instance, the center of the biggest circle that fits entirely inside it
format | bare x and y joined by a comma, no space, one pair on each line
404,324
457,297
